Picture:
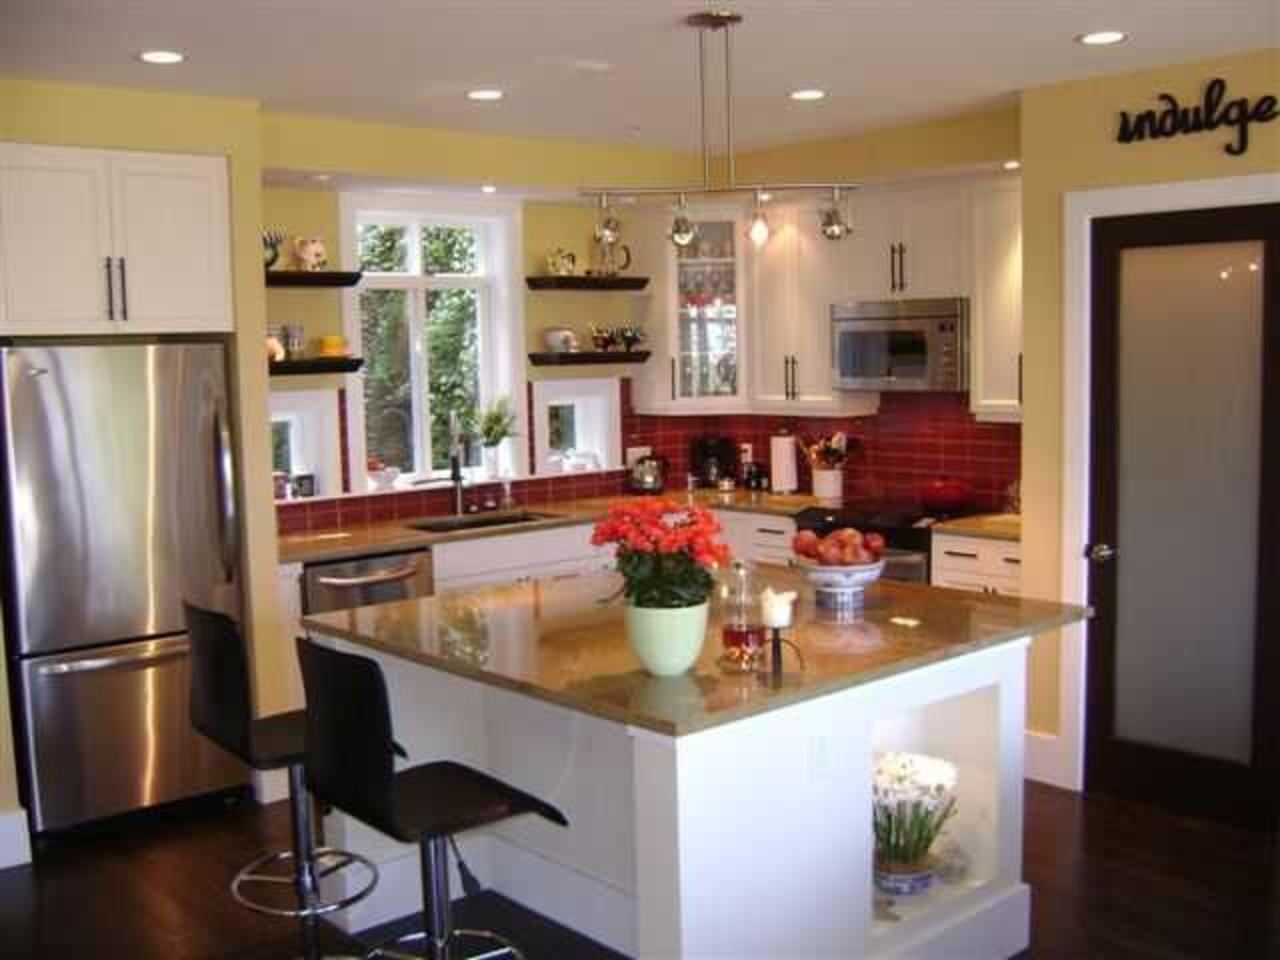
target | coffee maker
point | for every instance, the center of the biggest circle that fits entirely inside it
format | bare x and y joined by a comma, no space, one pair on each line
712,459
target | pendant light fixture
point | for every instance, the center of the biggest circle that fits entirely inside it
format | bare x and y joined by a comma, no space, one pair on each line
833,223
759,229
683,230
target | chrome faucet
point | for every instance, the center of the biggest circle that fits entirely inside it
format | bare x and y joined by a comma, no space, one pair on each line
455,462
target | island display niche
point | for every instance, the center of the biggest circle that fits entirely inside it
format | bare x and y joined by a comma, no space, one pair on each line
713,815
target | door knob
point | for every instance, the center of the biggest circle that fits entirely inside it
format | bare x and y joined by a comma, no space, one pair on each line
1100,552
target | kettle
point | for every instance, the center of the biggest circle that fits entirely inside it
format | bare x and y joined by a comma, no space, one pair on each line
649,475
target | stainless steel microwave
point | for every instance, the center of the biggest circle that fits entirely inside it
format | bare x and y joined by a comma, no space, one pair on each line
901,345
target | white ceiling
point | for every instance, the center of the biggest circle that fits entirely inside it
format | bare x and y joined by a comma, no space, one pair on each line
620,70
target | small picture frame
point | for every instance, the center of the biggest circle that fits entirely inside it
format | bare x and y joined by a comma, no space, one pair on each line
304,485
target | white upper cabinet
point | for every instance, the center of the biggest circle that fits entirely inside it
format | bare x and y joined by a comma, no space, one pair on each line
995,357
698,316
797,275
170,223
911,242
97,241
55,240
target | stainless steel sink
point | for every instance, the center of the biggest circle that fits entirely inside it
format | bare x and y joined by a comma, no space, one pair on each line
480,521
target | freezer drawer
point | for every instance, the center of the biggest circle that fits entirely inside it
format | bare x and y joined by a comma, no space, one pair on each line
107,730
344,584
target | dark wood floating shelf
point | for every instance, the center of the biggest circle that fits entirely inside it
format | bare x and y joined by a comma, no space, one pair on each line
310,365
587,283
313,278
583,357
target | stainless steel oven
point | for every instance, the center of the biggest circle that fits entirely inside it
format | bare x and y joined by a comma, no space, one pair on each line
901,345
361,581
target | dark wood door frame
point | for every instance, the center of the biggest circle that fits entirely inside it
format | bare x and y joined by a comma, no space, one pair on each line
1200,785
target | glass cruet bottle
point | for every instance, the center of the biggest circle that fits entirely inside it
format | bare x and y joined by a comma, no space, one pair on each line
742,634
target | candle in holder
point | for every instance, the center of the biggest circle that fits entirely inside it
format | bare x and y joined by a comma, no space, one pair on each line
775,608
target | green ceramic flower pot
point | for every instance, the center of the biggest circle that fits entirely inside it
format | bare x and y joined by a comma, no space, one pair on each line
667,640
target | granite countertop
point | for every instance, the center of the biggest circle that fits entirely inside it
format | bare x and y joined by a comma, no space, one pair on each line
362,539
552,639
990,526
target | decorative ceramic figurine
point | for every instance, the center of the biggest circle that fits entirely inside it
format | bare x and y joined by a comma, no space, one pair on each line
309,254
561,262
272,241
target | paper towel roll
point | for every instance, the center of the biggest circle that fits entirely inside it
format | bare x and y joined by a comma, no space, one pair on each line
782,464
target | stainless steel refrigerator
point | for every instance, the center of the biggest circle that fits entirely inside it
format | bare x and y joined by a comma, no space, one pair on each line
119,504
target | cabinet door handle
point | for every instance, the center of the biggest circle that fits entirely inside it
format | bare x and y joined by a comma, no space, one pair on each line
893,267
771,531
1019,379
124,292
795,378
960,553
111,291
902,267
673,378
1012,560
786,379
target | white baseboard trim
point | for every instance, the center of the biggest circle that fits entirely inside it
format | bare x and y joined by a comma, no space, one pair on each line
15,839
270,786
1049,759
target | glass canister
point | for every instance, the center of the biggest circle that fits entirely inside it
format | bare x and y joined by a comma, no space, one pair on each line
742,634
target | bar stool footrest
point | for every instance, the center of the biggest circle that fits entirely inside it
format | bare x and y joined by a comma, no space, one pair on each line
256,873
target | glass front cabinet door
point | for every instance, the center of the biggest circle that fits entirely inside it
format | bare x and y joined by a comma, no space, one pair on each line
706,356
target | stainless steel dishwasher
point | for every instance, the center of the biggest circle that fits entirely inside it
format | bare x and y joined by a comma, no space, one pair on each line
361,581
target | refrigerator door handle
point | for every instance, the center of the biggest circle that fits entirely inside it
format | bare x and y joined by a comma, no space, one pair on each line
161,654
225,484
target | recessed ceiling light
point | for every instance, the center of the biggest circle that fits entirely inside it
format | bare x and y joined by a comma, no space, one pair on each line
1102,38
161,57
487,93
488,188
1013,164
809,94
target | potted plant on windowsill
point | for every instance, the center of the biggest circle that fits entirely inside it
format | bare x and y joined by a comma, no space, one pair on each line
665,553
496,424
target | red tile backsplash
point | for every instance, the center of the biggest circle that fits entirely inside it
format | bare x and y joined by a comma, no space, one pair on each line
914,438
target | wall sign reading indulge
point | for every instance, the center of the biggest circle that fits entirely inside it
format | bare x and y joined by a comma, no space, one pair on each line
1210,114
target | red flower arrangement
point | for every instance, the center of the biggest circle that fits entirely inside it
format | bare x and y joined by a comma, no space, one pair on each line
665,551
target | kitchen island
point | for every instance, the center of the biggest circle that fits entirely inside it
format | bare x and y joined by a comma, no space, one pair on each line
714,815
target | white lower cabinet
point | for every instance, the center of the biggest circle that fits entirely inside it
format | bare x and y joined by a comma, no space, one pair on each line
562,552
977,563
757,537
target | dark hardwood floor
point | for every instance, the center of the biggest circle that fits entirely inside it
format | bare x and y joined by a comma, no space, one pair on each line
1111,880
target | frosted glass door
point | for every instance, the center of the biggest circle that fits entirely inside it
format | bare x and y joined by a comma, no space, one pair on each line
1184,650
1189,421
707,313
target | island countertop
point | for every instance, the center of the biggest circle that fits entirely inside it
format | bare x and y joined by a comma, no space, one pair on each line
555,641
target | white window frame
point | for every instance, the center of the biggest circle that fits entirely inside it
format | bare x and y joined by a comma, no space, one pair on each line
312,416
501,311
603,393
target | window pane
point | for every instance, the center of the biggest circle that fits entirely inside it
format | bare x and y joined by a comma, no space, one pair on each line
449,250
388,378
453,365
384,249
281,446
562,429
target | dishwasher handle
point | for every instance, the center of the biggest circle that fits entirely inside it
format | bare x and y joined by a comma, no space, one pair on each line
391,575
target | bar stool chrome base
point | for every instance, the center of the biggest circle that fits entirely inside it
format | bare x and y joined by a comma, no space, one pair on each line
309,902
307,866
505,948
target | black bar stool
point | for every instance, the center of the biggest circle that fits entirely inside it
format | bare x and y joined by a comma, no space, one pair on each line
350,766
220,710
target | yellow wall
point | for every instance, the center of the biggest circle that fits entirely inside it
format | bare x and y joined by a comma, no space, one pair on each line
954,142
1068,144
304,213
567,225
